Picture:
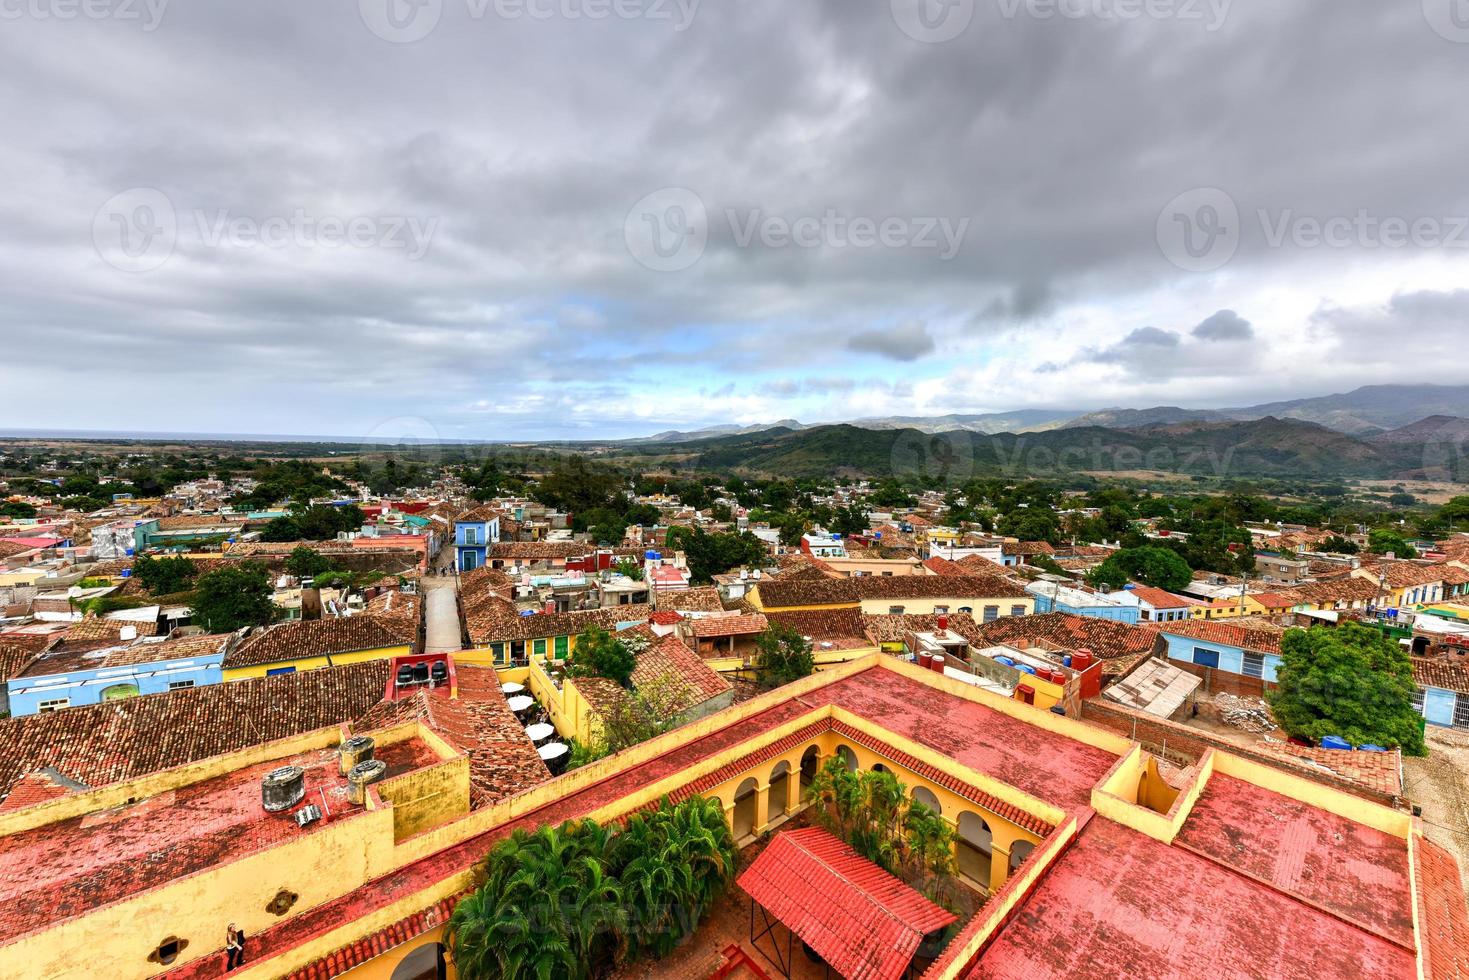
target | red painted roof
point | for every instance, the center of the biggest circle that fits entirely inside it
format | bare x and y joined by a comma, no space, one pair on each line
1443,921
1120,904
729,625
865,923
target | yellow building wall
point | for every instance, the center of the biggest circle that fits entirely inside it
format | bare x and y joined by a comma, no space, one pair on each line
426,798
314,663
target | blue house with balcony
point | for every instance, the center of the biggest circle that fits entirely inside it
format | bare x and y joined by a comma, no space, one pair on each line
474,533
67,678
1442,694
1246,657
1055,597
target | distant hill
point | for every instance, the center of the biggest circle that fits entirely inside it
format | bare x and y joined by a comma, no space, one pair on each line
1133,418
1255,448
1023,420
1368,409
1436,428
719,430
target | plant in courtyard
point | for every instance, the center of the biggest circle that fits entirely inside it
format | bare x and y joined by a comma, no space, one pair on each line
164,576
233,597
873,812
304,562
1348,681
1159,567
784,655
572,901
600,654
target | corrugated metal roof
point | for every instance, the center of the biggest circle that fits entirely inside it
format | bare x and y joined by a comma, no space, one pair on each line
861,920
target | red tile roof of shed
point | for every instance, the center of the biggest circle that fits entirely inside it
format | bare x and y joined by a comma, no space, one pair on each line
865,923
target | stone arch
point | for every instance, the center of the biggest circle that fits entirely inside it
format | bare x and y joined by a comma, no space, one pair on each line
879,767
742,818
1019,851
974,845
423,963
780,789
810,762
924,795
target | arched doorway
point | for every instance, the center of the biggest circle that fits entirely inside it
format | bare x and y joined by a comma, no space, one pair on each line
1019,851
743,820
810,761
780,788
879,767
973,843
424,963
848,757
924,795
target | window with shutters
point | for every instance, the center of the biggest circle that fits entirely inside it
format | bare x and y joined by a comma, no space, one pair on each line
1254,665
991,613
1461,711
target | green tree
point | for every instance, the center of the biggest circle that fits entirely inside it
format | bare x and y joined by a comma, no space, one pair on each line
713,554
1348,681
1031,524
1338,545
600,654
1159,567
164,576
17,509
784,655
1382,540
304,562
281,529
233,597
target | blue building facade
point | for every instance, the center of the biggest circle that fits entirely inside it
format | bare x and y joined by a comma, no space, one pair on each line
1435,699
1222,656
92,683
473,535
1050,597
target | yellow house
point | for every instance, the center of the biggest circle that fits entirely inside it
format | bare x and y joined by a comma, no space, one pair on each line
309,644
512,640
1404,584
986,597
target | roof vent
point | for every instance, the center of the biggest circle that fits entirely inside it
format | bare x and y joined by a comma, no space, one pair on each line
283,788
363,775
358,748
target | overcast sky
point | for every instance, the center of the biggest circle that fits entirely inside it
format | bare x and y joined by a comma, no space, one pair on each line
578,218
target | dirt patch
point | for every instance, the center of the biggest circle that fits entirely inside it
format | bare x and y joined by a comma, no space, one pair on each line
1440,784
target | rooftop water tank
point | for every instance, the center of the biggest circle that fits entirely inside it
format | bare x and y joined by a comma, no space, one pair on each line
363,775
358,748
282,788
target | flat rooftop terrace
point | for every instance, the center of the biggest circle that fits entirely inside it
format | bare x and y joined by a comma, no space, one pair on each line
74,866
1121,904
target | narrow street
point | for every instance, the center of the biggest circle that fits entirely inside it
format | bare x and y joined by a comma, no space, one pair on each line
441,612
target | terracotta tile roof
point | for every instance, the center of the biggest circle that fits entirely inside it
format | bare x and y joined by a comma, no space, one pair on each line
14,658
1257,638
406,606
1446,675
1442,921
304,639
1406,574
1118,643
479,515
1340,590
728,625
551,550
500,628
942,566
1161,599
104,743
892,628
864,922
66,658
96,628
704,598
669,658
354,954
1026,548
823,624
781,592
35,787
1378,771
502,759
